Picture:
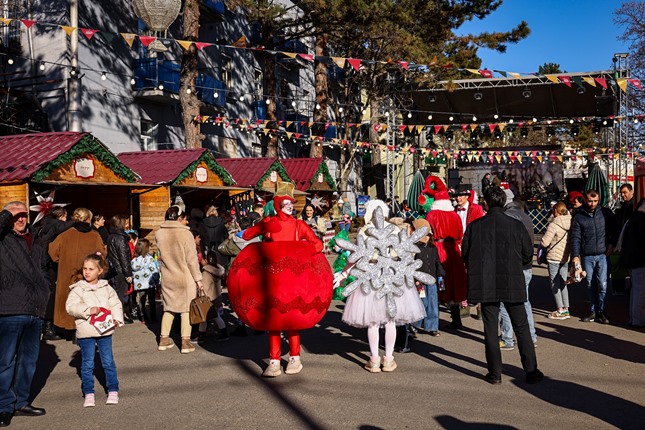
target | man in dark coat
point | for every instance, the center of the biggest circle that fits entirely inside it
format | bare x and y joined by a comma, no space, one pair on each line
495,248
24,291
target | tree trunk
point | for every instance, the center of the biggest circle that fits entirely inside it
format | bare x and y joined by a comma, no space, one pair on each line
189,102
322,96
270,91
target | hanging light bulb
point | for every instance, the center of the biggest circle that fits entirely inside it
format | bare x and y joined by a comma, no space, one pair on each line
570,121
496,116
132,81
268,102
293,103
387,113
340,109
161,87
534,119
10,60
429,117
188,91
409,114
510,121
451,118
317,106
73,71
474,118
103,76
42,66
241,98
215,95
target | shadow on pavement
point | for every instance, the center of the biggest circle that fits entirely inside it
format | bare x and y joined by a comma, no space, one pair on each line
613,410
451,423
47,361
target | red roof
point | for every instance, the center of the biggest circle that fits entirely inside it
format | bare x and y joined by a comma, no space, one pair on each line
302,170
162,166
246,172
22,155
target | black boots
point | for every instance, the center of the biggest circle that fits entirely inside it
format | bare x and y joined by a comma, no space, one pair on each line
48,331
456,318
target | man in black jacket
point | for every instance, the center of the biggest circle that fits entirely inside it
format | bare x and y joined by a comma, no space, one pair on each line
593,238
495,248
24,291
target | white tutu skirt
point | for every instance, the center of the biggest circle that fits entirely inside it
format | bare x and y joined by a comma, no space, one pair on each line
364,310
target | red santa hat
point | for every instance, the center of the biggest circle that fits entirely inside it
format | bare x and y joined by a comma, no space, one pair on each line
439,193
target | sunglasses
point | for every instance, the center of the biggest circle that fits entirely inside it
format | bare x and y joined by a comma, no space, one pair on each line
20,215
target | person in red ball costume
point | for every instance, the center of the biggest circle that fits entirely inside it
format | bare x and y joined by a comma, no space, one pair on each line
448,234
283,227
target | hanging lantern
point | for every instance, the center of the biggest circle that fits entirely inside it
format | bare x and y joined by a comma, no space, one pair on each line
158,15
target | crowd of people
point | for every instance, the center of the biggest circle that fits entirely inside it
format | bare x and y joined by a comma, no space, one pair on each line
79,280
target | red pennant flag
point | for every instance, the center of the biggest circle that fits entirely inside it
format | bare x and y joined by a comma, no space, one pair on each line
355,63
402,128
88,32
636,83
377,127
486,73
602,82
464,127
566,80
492,127
297,135
258,121
202,45
302,123
403,64
28,22
437,129
308,57
146,40
434,153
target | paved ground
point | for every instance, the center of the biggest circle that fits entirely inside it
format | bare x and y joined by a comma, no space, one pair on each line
595,379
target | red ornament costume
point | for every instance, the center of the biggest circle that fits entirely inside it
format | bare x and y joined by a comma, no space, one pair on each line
448,234
281,284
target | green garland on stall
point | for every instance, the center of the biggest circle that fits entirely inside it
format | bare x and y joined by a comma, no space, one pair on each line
212,165
322,168
278,167
87,145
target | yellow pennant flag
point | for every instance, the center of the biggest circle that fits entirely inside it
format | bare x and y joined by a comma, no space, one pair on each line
560,158
553,78
501,126
519,158
310,124
69,30
5,21
205,119
589,80
266,131
473,127
240,43
434,61
289,123
340,62
470,157
289,134
622,83
289,54
410,128
185,44
474,71
445,128
514,75
419,129
539,157
498,158
129,38
383,127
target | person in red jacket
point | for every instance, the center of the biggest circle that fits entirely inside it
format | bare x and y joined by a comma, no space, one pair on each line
283,227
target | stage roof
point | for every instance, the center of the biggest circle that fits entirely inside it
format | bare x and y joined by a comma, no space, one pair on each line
523,98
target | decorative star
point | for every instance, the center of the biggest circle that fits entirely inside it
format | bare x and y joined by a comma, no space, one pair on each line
45,205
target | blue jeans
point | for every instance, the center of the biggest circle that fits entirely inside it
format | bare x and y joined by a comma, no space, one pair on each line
505,326
431,305
558,273
596,268
88,348
19,346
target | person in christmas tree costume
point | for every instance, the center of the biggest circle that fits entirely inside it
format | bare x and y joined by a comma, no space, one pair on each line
448,234
339,264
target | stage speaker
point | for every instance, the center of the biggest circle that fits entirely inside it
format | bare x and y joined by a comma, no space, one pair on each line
453,178
606,106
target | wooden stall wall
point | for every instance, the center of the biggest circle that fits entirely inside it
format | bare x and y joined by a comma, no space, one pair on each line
101,173
14,192
195,180
152,206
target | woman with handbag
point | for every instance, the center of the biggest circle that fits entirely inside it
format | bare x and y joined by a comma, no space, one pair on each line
181,278
120,261
556,243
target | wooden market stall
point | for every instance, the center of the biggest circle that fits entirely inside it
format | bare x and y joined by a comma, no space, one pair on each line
77,166
262,175
192,174
311,175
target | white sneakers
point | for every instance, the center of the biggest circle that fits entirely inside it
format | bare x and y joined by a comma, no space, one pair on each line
113,398
89,401
294,366
273,369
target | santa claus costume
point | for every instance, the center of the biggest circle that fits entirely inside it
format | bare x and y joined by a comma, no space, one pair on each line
448,234
285,274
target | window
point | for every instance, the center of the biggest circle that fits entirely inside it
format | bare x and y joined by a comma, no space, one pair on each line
227,72
148,135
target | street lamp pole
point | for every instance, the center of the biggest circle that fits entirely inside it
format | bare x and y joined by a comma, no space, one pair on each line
74,86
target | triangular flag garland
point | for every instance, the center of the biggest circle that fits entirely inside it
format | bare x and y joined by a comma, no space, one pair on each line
88,32
129,38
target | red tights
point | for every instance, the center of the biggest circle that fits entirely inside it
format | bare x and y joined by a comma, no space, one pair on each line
275,344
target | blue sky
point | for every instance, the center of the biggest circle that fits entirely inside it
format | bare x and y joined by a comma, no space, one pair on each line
577,34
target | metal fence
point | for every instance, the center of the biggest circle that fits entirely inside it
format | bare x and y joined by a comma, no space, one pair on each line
540,218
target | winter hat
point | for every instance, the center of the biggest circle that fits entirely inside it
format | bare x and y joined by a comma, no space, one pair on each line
509,195
371,206
418,223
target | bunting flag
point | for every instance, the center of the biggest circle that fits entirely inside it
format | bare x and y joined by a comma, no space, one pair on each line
68,30
473,127
108,36
473,71
28,22
339,61
622,84
146,40
202,45
5,21
289,54
566,80
403,64
355,63
433,62
185,44
89,33
636,83
552,78
129,38
240,43
589,80
307,57
486,73
515,75
602,82
578,81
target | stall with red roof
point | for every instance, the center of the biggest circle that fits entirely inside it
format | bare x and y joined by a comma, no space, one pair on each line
311,176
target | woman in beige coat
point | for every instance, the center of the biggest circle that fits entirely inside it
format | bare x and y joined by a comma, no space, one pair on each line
68,250
180,276
556,241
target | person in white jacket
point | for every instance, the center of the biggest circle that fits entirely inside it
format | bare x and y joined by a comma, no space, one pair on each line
89,300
